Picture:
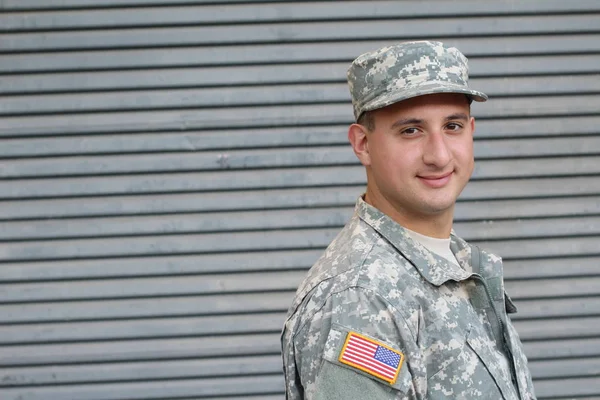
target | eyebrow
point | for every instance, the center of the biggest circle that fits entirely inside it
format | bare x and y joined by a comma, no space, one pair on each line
417,121
460,116
407,121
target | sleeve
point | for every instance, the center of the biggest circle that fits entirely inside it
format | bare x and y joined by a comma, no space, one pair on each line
358,346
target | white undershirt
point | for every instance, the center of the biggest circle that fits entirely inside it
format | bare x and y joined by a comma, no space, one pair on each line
441,247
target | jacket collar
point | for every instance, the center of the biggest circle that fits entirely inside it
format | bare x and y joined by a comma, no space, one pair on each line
436,270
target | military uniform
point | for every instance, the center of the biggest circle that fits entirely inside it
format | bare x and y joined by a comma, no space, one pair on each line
448,323
379,315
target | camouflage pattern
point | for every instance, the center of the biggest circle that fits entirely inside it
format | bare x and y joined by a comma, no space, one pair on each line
395,73
449,321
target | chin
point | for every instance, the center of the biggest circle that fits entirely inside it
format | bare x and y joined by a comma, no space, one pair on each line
438,207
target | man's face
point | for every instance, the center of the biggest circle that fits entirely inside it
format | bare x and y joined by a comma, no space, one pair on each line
420,155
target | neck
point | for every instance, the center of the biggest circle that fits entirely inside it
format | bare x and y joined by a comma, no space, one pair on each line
436,225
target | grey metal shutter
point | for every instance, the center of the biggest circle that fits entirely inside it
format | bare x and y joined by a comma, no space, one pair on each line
169,170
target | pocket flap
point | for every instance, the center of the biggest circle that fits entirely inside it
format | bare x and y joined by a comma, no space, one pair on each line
369,356
491,362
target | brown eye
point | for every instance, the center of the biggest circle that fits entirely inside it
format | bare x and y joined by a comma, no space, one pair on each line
453,127
410,131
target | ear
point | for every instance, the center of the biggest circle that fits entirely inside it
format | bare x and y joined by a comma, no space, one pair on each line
357,135
472,122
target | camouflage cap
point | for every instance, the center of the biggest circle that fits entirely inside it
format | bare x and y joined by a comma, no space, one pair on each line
395,73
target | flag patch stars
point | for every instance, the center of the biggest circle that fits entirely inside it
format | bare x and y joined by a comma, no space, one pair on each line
371,357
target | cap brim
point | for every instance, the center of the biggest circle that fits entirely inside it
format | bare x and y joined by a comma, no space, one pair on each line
422,90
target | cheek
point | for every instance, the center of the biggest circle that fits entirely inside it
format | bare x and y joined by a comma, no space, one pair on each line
389,158
381,156
464,154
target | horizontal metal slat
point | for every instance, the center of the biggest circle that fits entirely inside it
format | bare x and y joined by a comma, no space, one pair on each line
290,32
547,247
228,76
565,368
554,288
536,208
66,4
536,167
579,387
190,161
167,245
170,224
193,202
254,261
562,348
558,328
142,371
186,182
283,53
199,14
270,95
267,384
530,228
175,98
198,141
568,307
222,303
275,158
138,350
270,116
552,267
144,328
150,121
526,188
158,286
531,65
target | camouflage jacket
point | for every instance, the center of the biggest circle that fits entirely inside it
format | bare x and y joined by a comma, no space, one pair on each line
445,327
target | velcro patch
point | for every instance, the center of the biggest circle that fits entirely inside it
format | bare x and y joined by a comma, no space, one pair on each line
371,357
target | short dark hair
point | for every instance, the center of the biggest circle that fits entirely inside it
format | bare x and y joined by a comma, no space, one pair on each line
367,120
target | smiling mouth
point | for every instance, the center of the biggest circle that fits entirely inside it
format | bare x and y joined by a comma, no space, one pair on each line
436,181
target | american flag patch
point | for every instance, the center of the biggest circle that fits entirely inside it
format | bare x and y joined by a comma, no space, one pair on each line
371,357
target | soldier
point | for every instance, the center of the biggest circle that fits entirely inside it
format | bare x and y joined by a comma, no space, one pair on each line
398,306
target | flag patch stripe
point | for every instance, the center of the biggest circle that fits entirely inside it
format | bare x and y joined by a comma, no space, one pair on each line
358,357
362,346
371,357
389,374
389,371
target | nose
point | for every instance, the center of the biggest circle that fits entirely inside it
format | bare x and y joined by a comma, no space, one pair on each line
436,151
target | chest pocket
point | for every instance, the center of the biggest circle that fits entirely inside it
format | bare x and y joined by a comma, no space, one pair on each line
466,367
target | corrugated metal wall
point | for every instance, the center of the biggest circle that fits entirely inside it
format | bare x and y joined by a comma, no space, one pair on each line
169,170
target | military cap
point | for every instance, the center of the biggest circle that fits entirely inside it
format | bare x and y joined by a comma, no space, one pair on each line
405,70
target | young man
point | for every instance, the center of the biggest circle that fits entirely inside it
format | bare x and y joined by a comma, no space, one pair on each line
398,307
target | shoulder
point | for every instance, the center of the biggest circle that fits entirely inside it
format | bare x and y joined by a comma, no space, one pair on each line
355,312
358,261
